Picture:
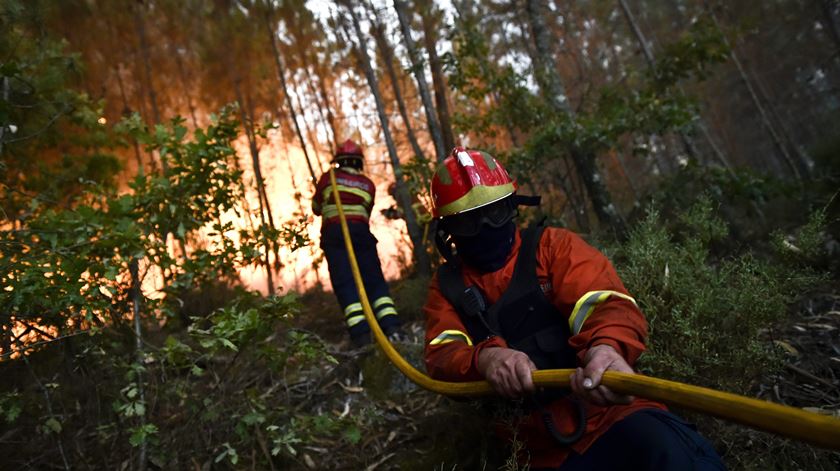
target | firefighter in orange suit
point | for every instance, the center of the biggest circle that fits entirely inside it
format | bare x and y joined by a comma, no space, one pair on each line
510,301
357,193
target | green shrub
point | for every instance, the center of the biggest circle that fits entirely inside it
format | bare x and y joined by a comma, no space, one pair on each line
706,313
710,315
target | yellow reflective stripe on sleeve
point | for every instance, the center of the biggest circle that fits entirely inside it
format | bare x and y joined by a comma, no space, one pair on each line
450,336
388,311
351,321
327,193
382,300
350,309
587,303
349,210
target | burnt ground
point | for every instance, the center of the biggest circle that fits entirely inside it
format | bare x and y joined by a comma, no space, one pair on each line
397,426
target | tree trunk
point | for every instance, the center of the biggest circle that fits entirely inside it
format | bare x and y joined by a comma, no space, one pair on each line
331,138
281,75
140,26
5,100
546,73
388,60
689,146
827,7
182,75
313,139
136,300
127,112
552,88
420,77
414,231
247,123
322,88
430,17
765,119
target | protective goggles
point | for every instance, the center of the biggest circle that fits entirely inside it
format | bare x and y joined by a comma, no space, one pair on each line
469,223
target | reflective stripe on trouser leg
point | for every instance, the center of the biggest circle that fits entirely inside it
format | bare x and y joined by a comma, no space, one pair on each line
384,306
377,289
341,277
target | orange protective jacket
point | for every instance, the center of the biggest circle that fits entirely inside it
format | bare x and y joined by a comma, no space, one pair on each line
582,284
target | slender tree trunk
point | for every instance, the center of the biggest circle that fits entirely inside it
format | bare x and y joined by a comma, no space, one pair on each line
140,26
126,112
414,231
312,137
765,118
182,75
5,100
317,99
828,8
419,76
545,71
783,128
322,88
136,300
648,54
261,193
255,155
388,60
429,14
552,88
281,75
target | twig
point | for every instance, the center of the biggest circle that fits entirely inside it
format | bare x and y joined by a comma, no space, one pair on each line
384,459
810,376
49,410
136,295
43,342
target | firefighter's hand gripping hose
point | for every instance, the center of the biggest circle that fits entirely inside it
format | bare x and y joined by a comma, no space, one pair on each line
820,430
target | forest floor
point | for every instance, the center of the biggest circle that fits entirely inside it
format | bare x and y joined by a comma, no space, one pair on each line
415,429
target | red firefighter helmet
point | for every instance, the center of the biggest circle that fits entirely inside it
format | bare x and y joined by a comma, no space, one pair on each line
348,150
468,179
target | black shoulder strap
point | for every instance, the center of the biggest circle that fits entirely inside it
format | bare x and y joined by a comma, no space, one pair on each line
451,284
524,273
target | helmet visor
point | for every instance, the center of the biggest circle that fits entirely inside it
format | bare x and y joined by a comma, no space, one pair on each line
469,223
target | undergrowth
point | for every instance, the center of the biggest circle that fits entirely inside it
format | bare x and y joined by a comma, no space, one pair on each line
711,316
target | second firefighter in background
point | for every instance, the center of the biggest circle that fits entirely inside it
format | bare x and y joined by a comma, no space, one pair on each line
357,193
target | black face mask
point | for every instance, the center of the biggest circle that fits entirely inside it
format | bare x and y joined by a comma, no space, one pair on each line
488,250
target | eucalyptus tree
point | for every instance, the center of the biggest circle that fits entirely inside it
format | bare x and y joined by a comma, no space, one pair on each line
271,27
554,91
231,43
418,69
386,51
360,50
432,21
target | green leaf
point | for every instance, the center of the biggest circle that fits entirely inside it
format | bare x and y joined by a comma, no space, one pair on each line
229,344
353,435
53,424
13,413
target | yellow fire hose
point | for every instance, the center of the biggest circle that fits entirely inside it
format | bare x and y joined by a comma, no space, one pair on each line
820,430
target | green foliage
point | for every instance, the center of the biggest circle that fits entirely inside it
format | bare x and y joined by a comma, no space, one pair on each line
51,139
706,313
72,266
10,406
692,55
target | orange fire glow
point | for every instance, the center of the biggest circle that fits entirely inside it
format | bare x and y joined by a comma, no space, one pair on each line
285,171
